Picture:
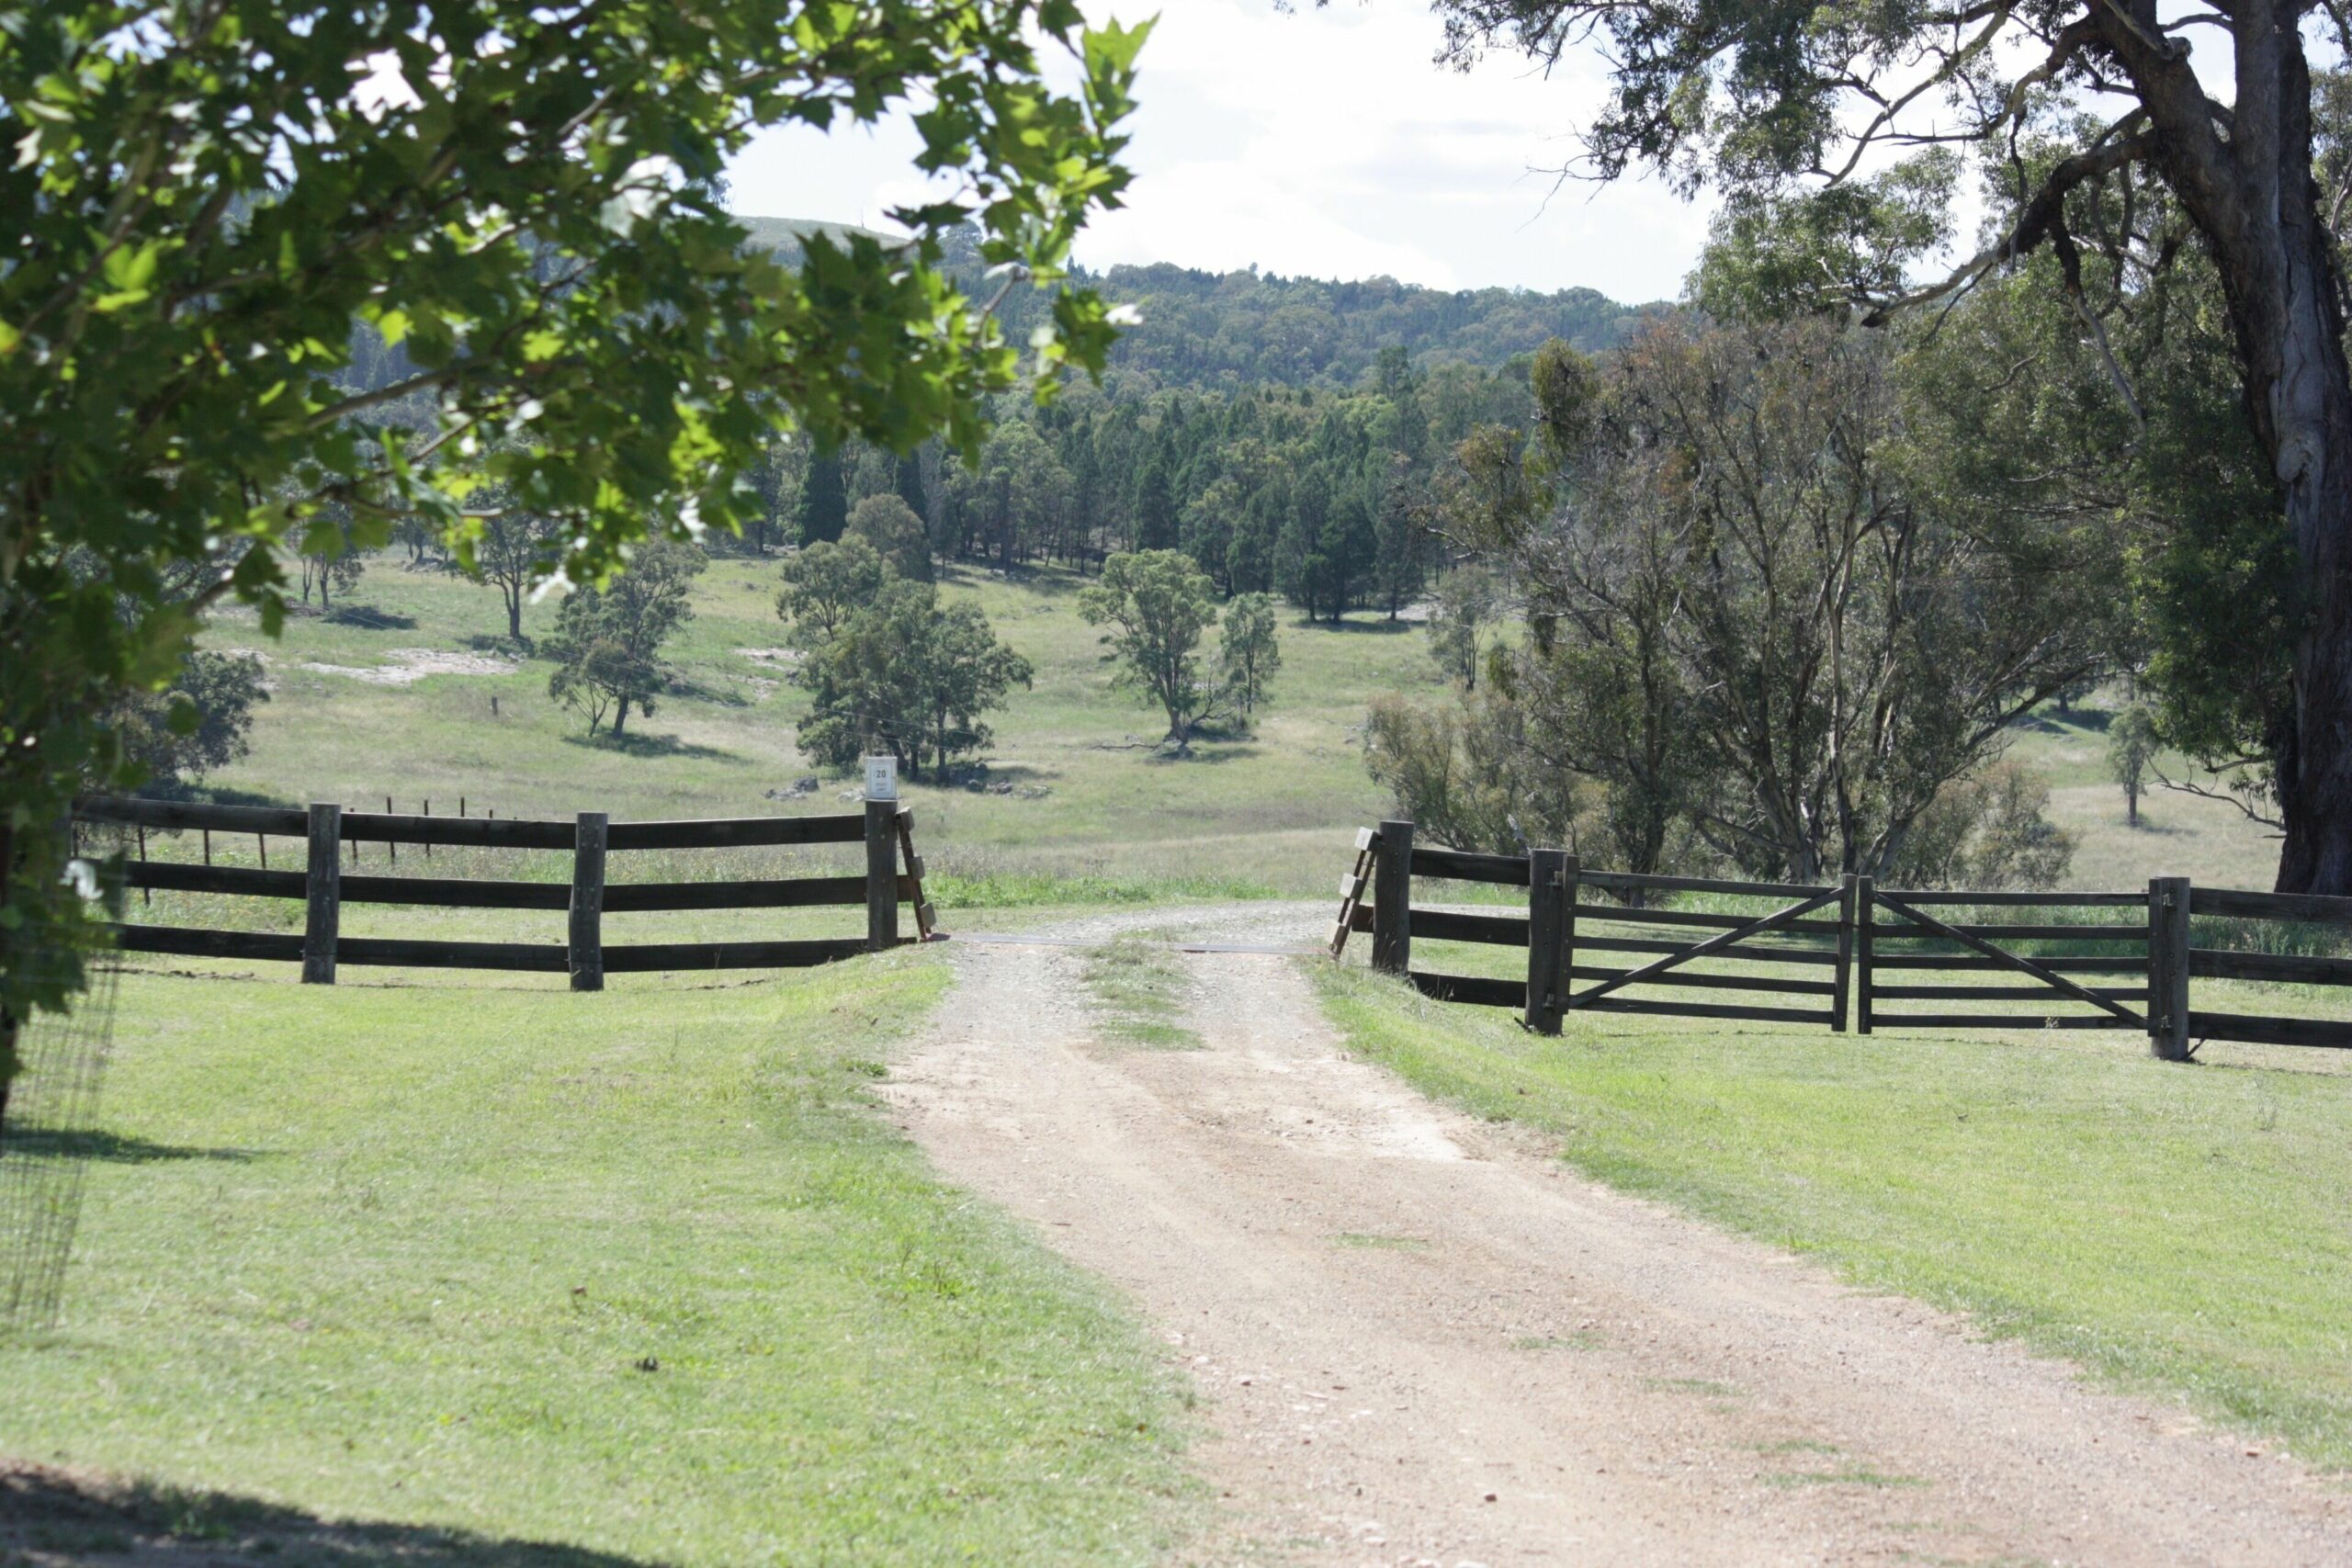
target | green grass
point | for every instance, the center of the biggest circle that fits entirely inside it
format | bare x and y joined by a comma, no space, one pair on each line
640,1274
2178,1229
1138,984
1243,817
1372,1241
1856,1476
2210,841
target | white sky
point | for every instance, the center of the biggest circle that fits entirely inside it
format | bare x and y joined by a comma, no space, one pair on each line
1323,142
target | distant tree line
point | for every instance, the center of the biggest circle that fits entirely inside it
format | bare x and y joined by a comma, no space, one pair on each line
1322,498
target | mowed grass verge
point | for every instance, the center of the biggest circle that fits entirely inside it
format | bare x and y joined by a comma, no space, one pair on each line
643,1275
2179,1230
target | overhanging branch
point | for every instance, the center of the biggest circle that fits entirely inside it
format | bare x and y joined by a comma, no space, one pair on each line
2035,222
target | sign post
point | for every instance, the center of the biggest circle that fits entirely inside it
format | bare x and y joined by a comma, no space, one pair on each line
881,852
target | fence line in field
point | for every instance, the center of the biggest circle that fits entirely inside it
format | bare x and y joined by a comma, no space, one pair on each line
893,874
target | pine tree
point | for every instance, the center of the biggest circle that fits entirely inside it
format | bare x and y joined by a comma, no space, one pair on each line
1155,504
911,486
824,511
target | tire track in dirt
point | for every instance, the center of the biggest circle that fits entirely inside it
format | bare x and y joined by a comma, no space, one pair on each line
1418,1338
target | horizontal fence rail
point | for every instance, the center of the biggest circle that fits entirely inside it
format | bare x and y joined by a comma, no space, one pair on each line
893,877
1838,955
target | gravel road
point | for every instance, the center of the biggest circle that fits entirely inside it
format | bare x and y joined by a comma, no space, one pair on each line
1418,1338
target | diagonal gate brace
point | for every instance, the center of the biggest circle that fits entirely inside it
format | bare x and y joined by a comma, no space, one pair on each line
2049,978
1773,921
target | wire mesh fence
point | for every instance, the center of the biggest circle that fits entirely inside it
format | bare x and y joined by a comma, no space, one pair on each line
48,1133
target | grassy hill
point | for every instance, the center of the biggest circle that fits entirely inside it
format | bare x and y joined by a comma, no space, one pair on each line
410,695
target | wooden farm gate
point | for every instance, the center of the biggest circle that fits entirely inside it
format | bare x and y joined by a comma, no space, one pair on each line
1834,954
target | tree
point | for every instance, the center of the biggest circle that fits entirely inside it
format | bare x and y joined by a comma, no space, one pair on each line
515,552
1249,649
1783,103
1155,504
518,203
202,721
607,645
329,561
822,510
899,673
1748,612
2131,747
1463,774
824,584
1467,599
912,490
891,528
1019,487
1986,831
1156,603
963,671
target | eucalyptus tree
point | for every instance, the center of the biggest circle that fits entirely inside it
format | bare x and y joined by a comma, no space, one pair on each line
1793,107
519,201
1155,605
607,646
1746,613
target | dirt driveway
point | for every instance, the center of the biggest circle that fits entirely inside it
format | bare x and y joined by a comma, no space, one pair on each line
1418,1338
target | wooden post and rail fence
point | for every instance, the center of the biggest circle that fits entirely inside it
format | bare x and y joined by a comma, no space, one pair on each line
1858,947
892,875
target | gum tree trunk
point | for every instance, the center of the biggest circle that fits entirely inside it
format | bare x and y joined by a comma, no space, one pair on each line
2254,196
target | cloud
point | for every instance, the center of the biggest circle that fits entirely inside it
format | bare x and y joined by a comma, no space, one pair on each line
1323,142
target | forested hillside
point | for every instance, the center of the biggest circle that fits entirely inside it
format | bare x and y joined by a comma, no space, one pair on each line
1206,330
1202,331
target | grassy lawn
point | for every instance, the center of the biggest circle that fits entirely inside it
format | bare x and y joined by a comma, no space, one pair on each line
638,1274
1244,817
2179,1229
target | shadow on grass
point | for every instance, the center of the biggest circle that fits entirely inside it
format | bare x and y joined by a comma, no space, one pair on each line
719,697
2080,721
1205,750
52,1142
1052,583
1380,627
993,773
634,745
369,618
51,1517
497,642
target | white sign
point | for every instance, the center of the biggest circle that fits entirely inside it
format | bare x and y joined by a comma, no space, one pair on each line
881,778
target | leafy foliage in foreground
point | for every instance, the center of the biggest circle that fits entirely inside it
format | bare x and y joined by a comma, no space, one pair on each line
522,197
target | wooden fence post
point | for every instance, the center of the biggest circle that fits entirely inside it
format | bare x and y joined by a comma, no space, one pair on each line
881,875
586,955
1865,905
1392,900
322,920
1844,981
2168,967
1550,893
